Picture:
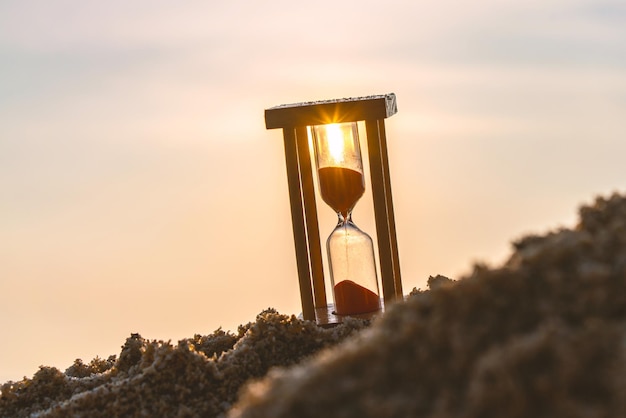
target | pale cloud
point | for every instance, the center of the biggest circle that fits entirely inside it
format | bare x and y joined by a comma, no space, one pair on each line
73,25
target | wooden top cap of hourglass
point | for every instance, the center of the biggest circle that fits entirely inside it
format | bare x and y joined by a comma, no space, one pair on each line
352,109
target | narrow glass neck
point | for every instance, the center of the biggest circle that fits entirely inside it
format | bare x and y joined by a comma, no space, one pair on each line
344,218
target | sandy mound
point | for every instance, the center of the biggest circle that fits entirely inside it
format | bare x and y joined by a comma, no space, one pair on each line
199,376
542,336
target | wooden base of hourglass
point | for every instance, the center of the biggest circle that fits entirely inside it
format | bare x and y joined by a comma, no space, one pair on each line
326,317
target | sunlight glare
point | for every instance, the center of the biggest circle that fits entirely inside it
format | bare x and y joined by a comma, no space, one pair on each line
336,142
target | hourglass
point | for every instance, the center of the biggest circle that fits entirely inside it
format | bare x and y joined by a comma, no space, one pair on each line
350,251
333,127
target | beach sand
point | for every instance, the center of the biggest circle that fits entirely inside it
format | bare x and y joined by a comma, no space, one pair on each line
543,335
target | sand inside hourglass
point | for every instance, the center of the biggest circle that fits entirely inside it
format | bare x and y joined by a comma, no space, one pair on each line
352,299
341,188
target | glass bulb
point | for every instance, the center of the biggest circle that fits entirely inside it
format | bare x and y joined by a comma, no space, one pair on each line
350,250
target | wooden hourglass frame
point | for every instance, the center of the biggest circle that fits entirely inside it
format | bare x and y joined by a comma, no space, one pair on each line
295,119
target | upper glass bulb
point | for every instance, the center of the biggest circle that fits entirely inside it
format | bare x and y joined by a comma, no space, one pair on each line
339,164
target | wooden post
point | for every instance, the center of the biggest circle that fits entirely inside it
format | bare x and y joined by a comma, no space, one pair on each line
383,211
310,211
297,221
391,219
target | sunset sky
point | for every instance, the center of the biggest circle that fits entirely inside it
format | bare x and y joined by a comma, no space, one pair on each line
141,192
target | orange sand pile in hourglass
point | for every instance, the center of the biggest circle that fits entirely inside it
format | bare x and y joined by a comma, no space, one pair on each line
341,188
351,299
